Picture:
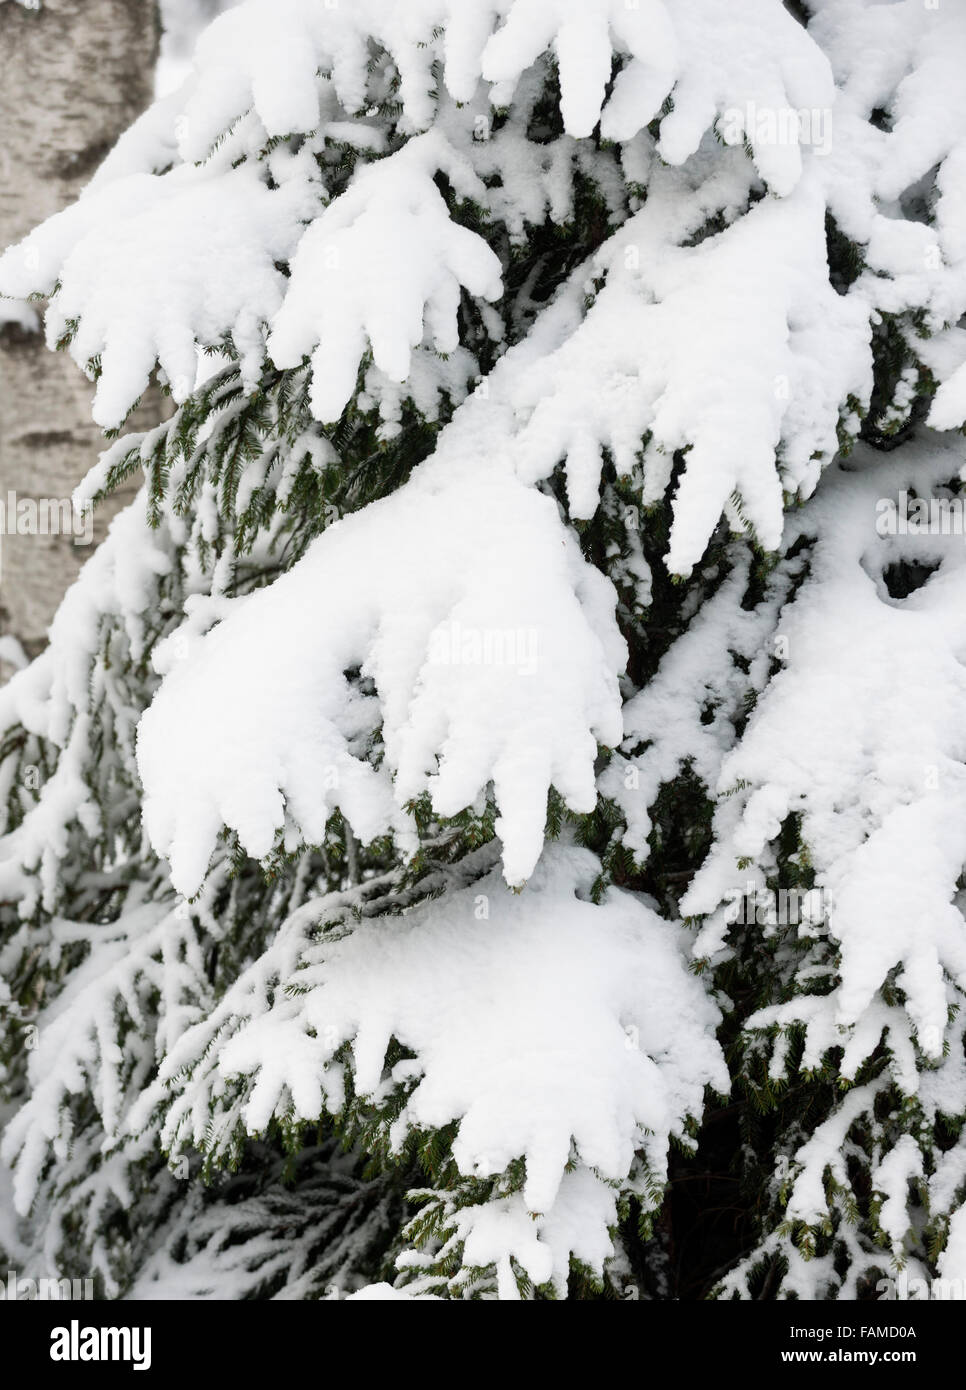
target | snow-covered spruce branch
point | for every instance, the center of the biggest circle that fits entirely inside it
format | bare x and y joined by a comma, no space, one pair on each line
505,588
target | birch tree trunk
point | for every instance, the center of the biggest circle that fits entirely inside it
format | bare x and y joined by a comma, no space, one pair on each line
73,75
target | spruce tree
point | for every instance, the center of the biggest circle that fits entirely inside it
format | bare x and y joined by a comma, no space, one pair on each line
504,763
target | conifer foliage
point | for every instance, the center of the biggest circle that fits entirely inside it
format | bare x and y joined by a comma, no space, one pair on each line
401,826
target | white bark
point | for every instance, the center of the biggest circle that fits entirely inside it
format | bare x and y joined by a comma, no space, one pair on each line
73,75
